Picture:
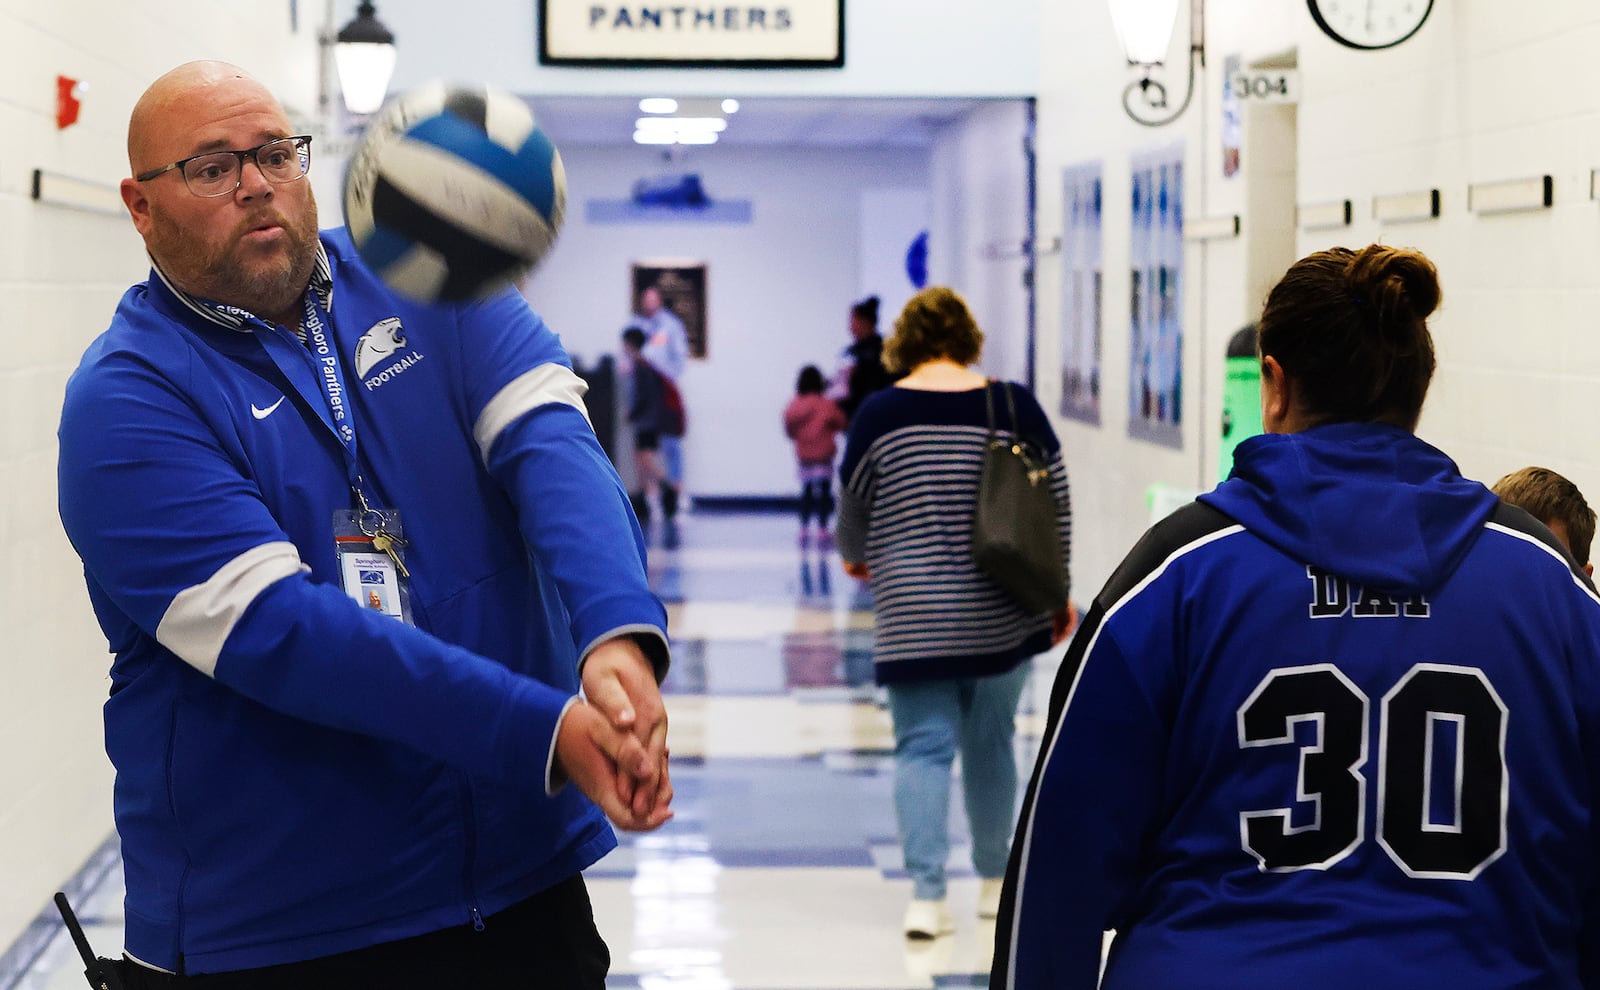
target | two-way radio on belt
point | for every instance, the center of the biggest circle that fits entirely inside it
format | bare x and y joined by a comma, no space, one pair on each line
100,972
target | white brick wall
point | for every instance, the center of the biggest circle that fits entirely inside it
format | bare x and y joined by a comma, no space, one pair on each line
61,274
1482,92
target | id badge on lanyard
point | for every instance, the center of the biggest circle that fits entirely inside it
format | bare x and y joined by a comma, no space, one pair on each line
369,542
370,546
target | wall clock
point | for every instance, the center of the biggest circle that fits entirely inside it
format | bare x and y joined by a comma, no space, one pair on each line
1370,24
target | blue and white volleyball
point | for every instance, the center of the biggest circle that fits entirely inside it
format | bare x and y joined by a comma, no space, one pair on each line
454,192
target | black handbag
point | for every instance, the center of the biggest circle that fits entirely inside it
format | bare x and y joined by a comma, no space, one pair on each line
1016,541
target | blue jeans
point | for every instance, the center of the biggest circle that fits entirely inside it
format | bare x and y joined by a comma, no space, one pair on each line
930,719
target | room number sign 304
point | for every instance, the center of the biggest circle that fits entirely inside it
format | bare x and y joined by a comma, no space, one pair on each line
1266,86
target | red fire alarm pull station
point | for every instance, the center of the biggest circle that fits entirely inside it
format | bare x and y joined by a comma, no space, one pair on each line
67,102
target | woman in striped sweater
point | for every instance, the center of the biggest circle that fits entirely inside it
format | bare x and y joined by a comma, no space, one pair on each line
949,644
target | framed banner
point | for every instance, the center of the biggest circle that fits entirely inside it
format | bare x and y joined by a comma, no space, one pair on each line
765,34
1081,292
1155,257
682,285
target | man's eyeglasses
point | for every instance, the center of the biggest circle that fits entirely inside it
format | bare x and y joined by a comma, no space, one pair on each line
219,173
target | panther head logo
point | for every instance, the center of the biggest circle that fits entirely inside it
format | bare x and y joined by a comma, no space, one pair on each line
383,339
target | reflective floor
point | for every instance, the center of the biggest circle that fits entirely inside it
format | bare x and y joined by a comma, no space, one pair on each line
781,870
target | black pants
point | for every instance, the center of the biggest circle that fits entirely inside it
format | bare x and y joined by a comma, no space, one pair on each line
816,499
548,942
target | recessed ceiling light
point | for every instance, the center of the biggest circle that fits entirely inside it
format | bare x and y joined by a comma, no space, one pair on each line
655,137
730,106
658,104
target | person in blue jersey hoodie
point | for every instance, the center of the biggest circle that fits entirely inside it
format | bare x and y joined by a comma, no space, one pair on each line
1335,724
355,556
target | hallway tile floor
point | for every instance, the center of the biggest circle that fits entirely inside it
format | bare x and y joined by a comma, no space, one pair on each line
782,870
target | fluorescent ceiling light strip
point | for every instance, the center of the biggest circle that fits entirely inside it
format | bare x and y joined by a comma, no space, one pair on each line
1211,228
1511,196
674,137
1402,207
680,124
1324,216
658,104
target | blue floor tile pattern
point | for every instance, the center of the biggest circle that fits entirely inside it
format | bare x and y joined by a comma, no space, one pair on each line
781,870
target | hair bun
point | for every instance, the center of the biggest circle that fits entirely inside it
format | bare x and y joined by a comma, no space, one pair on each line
1396,285
1350,326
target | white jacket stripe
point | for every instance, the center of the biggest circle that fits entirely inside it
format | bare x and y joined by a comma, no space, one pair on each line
545,384
201,618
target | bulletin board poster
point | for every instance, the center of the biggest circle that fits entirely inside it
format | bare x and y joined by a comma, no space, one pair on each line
1155,255
1081,284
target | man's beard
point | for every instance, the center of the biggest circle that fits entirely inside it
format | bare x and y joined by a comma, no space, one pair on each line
267,285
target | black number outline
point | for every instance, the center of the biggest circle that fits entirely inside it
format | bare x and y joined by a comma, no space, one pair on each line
1383,770
1418,802
1283,815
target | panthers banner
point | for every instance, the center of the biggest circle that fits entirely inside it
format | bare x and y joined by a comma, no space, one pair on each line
777,34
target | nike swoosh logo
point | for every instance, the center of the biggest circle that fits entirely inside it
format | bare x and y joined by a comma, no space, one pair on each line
260,413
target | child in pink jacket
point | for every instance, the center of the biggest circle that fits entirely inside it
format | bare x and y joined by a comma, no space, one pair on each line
813,421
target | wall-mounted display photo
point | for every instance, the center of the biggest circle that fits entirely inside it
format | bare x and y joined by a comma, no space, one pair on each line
683,290
1155,256
1081,282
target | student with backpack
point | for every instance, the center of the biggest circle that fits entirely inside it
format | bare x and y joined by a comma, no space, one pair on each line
812,421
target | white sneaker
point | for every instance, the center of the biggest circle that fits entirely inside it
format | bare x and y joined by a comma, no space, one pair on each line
928,919
989,897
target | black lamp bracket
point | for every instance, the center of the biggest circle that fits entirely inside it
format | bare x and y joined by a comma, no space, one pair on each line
1152,107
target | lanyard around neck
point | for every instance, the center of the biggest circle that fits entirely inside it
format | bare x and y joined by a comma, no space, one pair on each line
315,372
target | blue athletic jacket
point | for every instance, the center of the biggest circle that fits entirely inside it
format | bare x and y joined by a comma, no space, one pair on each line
1334,726
297,775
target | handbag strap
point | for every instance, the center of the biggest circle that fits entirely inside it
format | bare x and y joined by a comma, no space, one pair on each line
988,401
1037,472
1011,407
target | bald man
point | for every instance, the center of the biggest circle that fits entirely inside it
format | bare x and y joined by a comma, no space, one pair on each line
355,558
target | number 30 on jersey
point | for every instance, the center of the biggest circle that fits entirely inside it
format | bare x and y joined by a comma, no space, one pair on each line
1413,737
